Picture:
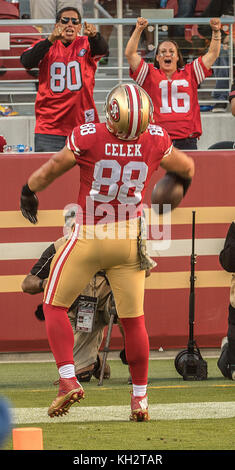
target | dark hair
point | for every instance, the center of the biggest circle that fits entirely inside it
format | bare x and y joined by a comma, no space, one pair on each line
180,62
60,12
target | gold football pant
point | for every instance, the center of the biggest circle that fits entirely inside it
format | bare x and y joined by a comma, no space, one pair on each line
76,262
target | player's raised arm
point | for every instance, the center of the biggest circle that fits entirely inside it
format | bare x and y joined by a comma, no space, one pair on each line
175,183
179,162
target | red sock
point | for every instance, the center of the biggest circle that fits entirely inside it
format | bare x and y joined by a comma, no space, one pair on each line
136,348
59,333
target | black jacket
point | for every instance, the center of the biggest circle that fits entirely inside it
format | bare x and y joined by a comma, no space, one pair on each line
227,255
31,57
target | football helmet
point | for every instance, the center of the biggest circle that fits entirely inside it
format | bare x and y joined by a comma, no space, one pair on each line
128,111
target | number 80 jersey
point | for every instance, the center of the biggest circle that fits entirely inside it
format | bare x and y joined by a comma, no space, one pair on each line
66,83
115,172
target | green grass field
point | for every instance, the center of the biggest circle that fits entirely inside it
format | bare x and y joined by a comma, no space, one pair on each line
185,415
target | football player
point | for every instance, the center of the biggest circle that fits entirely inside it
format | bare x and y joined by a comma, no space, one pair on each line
173,86
116,160
88,328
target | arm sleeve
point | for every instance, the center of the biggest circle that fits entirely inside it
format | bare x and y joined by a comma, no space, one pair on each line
32,56
42,266
227,255
98,45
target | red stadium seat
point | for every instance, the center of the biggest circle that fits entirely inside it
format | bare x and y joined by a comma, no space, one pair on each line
8,11
190,30
200,6
20,38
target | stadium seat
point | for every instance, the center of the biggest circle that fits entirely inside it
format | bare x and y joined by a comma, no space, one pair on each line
8,11
190,30
200,6
20,38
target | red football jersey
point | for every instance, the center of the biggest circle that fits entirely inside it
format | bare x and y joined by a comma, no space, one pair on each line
175,101
113,172
66,82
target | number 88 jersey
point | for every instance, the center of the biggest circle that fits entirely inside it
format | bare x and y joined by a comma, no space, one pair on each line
115,172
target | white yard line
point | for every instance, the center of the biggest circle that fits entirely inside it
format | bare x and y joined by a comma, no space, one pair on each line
172,411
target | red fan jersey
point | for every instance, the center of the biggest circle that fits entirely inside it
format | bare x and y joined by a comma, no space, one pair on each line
113,172
175,100
66,82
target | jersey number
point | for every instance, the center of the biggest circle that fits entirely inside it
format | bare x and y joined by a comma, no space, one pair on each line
63,76
113,169
175,97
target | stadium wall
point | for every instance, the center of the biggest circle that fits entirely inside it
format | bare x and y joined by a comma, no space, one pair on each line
211,195
216,127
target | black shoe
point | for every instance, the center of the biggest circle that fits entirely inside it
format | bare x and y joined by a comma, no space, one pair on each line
219,108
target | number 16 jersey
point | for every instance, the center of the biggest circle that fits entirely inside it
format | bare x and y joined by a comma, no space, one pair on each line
175,100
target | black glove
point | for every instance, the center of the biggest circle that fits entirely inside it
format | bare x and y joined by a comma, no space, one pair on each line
29,204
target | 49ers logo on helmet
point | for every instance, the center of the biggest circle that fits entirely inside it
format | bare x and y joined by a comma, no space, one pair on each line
114,110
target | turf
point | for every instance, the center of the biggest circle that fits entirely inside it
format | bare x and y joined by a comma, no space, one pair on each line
30,385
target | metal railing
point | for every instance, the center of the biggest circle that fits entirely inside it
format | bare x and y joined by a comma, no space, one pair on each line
107,75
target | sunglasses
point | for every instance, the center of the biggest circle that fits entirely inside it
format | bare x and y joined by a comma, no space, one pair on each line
65,20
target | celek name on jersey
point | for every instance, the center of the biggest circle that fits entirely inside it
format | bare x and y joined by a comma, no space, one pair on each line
123,150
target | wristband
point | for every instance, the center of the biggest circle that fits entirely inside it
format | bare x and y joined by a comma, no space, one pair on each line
179,179
26,191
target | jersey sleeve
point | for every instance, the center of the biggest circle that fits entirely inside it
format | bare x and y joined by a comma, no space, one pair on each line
81,139
200,70
72,142
164,142
167,145
160,144
140,74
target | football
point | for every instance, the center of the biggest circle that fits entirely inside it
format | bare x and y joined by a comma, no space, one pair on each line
167,191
